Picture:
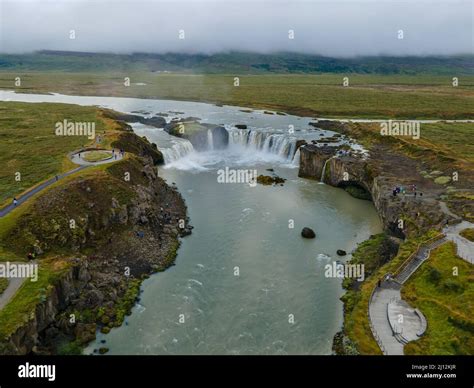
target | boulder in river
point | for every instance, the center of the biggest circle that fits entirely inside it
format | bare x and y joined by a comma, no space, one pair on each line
308,233
341,252
155,121
240,126
270,180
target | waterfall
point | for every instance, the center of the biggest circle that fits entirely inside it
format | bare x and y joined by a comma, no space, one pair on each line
180,148
324,169
280,144
274,143
296,158
210,140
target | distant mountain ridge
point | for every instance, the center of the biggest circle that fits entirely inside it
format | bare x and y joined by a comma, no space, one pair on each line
237,63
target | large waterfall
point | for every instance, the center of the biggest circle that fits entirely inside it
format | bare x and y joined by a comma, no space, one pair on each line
180,148
257,142
274,143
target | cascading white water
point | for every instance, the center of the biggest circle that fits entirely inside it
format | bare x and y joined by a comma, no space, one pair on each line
274,143
210,140
180,148
296,158
324,169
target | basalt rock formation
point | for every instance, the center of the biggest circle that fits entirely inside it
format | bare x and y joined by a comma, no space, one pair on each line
401,215
154,121
133,229
200,134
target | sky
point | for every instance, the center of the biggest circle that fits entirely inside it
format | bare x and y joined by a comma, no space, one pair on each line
331,28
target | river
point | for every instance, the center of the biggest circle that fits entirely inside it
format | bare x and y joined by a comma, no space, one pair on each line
245,282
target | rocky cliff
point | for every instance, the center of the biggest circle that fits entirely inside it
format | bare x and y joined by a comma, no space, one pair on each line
127,222
401,215
27,338
312,160
200,134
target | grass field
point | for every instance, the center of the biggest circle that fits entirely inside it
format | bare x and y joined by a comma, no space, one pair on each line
367,96
468,233
30,147
96,156
446,300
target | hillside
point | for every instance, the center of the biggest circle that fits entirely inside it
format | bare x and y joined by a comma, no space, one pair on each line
237,63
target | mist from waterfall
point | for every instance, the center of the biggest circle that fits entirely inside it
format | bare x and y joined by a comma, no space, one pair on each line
178,150
246,147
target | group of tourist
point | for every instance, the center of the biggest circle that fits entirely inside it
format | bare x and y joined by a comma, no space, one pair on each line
120,152
343,153
402,190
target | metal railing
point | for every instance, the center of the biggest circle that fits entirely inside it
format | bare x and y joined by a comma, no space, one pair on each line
372,328
377,338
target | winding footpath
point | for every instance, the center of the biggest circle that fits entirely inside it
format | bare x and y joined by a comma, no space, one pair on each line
393,321
76,158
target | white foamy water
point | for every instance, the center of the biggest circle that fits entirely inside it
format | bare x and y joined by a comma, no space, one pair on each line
210,140
280,144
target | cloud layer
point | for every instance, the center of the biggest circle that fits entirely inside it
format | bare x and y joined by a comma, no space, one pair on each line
334,28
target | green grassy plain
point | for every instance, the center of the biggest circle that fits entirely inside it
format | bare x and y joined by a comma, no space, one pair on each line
367,96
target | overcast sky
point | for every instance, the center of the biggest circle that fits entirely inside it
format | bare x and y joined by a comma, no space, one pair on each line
333,28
